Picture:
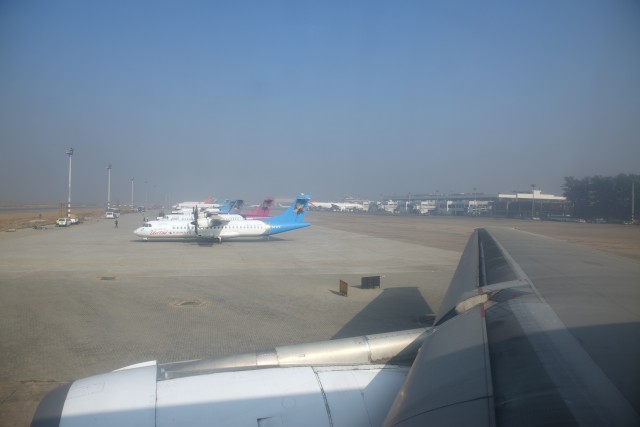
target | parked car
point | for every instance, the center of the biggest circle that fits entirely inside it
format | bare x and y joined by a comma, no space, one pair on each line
63,222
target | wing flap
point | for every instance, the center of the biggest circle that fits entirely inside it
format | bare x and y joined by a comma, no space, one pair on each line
450,380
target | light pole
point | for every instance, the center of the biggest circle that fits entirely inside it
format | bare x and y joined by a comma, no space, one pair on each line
633,203
131,193
533,200
109,188
69,153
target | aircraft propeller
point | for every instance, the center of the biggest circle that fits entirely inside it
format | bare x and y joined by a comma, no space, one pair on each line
195,216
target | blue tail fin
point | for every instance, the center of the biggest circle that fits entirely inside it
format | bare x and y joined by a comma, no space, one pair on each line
231,206
292,218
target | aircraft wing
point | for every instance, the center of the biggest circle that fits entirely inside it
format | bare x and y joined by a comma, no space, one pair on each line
216,220
532,331
207,226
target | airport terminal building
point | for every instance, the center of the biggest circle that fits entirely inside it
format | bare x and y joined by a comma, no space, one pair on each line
531,204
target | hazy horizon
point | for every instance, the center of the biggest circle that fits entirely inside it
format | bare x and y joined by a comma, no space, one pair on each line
367,99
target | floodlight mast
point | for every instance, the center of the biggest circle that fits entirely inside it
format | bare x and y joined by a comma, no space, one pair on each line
633,202
109,188
69,153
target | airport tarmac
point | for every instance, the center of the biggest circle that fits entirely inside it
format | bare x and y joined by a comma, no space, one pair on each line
92,298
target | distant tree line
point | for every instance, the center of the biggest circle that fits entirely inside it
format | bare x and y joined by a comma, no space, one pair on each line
606,197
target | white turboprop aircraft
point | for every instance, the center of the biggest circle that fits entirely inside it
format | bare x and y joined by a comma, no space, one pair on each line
221,226
531,332
206,204
189,215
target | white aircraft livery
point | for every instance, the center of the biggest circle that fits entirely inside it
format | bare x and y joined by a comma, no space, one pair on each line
219,227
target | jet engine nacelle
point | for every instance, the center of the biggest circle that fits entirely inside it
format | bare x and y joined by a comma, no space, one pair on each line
282,396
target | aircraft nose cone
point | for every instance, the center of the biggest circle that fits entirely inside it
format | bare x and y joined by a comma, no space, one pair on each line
138,231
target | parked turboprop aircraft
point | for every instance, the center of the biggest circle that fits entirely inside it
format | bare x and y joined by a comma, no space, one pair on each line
231,206
261,211
219,227
206,204
532,331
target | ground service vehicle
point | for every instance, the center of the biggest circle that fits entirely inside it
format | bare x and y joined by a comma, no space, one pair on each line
63,222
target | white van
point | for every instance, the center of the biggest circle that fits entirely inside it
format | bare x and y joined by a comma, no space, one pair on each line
112,213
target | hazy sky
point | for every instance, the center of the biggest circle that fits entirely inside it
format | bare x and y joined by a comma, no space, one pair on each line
245,99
